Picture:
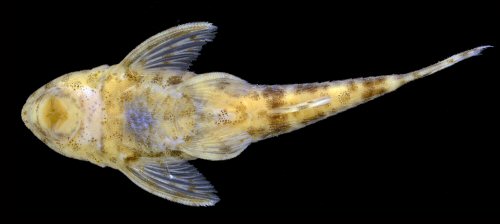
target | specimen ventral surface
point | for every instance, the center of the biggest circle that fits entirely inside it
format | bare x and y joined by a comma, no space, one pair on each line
147,116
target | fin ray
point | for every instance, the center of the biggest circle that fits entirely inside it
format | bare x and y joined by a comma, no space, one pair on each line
220,144
172,49
175,180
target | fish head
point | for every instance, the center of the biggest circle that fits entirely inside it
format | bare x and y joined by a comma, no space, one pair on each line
66,113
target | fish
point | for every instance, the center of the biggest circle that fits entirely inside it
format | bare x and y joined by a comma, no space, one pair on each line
148,115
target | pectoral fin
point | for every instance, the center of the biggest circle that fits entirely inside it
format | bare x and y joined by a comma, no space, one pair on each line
172,49
175,180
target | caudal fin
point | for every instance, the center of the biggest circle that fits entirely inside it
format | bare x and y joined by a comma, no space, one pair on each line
443,64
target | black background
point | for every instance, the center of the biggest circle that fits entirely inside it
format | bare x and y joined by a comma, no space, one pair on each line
430,146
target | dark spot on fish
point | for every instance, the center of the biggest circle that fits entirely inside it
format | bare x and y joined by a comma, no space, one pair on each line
132,76
187,138
262,113
333,110
173,80
49,85
372,82
65,78
127,96
352,86
158,79
254,95
274,95
344,97
315,117
91,80
324,86
279,123
370,93
222,84
225,149
275,102
309,87
256,131
175,153
241,110
402,81
273,91
131,158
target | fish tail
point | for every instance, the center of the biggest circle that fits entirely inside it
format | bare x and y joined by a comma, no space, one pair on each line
429,70
285,108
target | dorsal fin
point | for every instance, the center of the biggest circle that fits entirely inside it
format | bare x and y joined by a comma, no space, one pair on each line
172,49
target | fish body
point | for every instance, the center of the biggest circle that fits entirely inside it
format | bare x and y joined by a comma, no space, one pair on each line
148,115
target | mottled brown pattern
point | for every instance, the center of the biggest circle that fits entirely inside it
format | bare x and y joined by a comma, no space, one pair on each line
175,153
344,97
372,92
275,102
75,85
132,76
309,88
222,85
187,138
273,91
225,149
402,82
373,82
352,86
317,116
274,95
126,97
254,95
49,85
173,80
262,113
256,132
157,79
92,79
415,74
132,158
241,109
279,123
65,78
187,113
74,145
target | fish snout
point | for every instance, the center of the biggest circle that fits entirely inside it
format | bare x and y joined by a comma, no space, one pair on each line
51,115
